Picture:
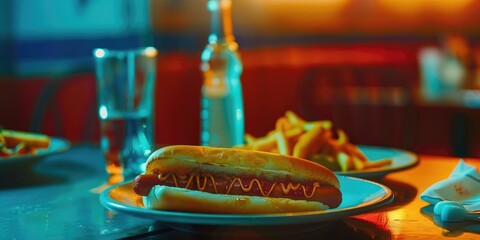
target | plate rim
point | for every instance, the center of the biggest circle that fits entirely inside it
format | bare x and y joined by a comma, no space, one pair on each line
379,172
172,217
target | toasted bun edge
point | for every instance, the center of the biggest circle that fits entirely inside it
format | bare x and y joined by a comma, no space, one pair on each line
240,161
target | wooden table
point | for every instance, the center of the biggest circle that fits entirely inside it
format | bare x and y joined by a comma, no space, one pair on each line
409,217
56,200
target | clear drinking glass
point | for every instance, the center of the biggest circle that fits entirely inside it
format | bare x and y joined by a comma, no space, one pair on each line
125,85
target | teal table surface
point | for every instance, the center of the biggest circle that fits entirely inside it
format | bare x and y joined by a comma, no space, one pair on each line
56,199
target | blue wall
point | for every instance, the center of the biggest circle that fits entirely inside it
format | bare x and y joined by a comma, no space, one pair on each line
57,36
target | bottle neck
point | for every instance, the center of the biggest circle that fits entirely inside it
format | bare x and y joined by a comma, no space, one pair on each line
221,21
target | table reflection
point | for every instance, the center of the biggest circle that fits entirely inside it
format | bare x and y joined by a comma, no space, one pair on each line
350,228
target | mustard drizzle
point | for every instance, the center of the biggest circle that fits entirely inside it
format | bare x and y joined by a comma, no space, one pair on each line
250,186
201,187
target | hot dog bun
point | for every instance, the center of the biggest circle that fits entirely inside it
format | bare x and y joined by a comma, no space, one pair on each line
185,200
242,181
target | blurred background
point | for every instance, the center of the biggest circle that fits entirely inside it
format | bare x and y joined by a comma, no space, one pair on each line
396,73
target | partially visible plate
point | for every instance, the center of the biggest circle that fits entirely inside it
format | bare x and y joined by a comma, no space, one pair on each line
359,196
401,160
57,145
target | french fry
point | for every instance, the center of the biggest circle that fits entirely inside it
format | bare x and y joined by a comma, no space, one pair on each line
333,147
283,144
358,163
3,142
294,118
353,150
344,161
249,139
309,125
342,137
308,143
293,132
378,163
267,143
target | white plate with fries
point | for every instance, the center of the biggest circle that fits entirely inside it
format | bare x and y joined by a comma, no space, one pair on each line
23,149
320,142
358,196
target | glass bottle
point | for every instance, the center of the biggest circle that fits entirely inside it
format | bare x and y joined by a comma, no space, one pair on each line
222,116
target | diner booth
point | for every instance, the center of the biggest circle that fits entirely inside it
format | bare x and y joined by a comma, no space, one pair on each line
400,78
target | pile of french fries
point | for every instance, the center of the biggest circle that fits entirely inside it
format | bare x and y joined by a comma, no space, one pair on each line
14,143
316,141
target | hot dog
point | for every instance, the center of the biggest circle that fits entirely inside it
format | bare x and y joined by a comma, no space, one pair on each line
224,180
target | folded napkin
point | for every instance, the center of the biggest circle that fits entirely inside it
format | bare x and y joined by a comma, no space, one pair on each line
462,186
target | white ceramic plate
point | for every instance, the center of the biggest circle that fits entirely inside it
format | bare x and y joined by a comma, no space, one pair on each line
359,196
57,145
401,160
